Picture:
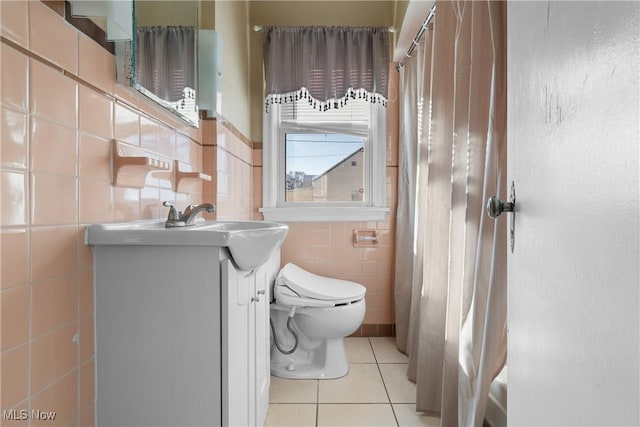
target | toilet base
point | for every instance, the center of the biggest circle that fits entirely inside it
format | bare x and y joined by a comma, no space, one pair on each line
328,361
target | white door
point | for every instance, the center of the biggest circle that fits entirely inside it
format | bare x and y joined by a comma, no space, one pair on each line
573,125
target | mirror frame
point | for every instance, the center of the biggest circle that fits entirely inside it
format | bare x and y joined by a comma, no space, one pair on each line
122,51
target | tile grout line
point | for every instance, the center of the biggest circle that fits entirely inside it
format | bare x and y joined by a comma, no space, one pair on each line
317,401
387,391
384,384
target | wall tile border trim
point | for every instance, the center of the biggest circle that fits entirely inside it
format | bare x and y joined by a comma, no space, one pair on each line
232,154
234,130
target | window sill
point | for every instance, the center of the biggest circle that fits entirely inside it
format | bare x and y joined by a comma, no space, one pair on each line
324,214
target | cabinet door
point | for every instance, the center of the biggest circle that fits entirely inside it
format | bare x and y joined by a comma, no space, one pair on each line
246,342
238,330
262,362
264,281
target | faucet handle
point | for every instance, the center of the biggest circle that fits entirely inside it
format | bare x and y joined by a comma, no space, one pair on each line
173,212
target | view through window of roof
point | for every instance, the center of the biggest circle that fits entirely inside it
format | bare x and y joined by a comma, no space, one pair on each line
324,167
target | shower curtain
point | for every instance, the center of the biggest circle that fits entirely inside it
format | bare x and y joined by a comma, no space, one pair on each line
450,283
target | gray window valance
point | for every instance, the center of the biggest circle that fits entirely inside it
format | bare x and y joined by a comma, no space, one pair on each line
326,65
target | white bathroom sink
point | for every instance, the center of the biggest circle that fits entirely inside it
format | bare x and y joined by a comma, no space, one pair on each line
250,243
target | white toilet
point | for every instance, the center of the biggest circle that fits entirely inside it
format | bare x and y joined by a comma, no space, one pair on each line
320,311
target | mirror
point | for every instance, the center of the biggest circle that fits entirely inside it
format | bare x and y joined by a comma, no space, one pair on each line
163,54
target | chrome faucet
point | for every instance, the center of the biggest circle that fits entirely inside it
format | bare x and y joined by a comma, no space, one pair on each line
188,217
190,213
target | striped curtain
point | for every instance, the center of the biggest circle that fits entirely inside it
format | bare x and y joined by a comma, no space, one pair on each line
328,66
166,61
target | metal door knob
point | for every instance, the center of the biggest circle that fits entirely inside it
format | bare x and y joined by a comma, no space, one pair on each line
495,207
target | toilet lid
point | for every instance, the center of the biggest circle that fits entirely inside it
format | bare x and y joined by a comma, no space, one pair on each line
311,285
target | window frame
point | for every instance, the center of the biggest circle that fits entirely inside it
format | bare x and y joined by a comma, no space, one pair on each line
274,206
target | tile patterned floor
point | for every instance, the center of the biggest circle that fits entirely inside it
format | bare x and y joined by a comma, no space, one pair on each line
376,392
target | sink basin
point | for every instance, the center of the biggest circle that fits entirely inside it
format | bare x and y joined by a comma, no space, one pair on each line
250,243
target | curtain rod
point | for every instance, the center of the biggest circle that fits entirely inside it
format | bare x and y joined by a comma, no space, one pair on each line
258,28
416,39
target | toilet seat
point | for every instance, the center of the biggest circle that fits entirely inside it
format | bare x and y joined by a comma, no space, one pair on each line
298,287
288,298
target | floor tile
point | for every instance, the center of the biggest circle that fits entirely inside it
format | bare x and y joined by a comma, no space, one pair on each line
408,417
293,391
359,350
365,415
399,388
386,351
291,414
363,384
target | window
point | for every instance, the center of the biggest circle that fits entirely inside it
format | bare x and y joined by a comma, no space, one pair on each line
319,167
324,165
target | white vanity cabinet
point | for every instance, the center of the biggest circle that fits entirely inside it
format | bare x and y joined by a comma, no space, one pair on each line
181,336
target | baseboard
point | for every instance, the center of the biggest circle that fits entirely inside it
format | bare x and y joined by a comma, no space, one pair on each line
375,330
